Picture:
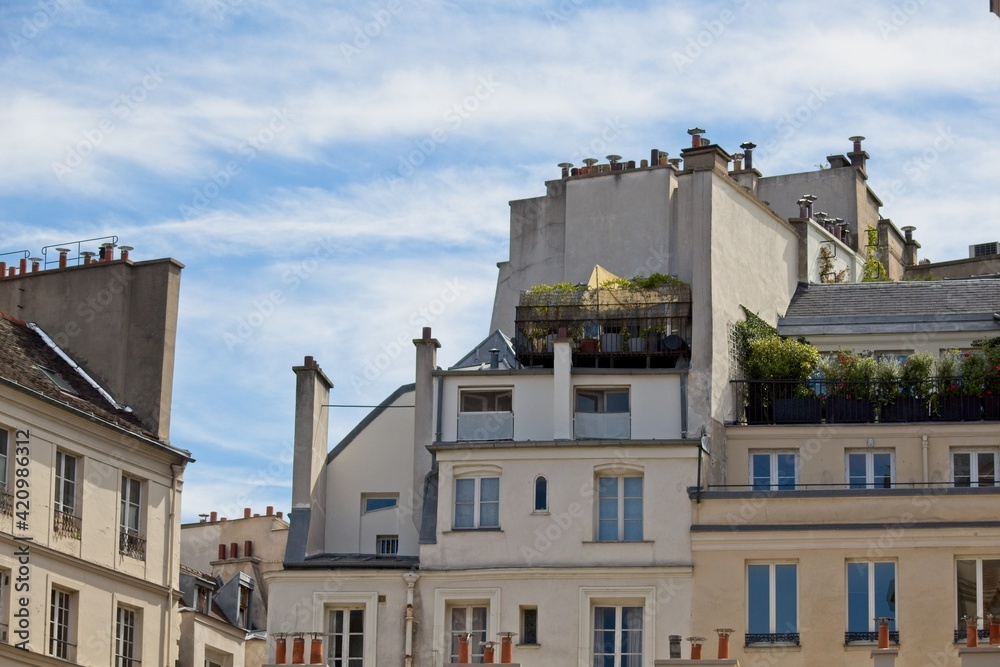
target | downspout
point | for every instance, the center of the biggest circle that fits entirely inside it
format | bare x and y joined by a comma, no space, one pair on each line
923,452
411,579
175,469
440,392
684,405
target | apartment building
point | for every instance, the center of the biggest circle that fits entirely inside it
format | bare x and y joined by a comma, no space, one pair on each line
89,482
568,485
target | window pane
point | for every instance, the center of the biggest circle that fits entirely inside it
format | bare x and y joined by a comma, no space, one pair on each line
633,487
761,472
465,490
856,471
505,402
758,599
858,615
541,495
617,401
586,402
372,504
882,470
633,508
962,464
786,471
608,487
633,530
986,474
489,489
885,592
607,531
991,587
966,584
785,598
464,515
489,515
357,620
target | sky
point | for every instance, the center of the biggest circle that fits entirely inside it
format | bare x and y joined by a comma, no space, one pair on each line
336,176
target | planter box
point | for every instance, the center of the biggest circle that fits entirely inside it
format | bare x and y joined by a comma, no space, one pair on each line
959,409
797,411
588,345
849,411
611,342
636,344
905,410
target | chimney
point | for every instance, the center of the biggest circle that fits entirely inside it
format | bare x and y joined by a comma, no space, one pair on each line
494,358
696,647
858,156
127,343
222,552
213,517
696,133
423,416
613,160
748,147
62,257
706,158
280,514
312,394
724,642
675,647
506,647
246,512
738,161
248,549
565,166
125,251
234,551
270,510
316,649
910,247
36,263
464,653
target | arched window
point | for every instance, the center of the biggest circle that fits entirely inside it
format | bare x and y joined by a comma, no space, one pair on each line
541,494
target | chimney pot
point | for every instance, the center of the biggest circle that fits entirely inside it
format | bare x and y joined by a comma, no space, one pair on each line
213,517
88,256
748,147
883,632
675,647
738,161
696,647
234,550
246,512
62,257
299,650
696,133
654,157
494,358
107,252
222,552
908,231
280,649
426,333
316,650
280,514
724,642
565,166
125,250
270,510
248,549
857,143
36,263
3,269
24,265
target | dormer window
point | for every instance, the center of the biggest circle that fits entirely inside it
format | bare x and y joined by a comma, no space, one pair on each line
485,414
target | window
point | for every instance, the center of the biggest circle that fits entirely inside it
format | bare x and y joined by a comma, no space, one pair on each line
529,625
375,503
770,471
66,520
130,542
870,469
386,545
871,594
6,498
58,380
617,636
243,612
345,637
602,413
125,634
619,501
772,603
60,625
204,599
974,468
978,585
485,414
4,604
477,502
541,494
468,619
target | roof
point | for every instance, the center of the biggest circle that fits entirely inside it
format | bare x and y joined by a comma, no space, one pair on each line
369,418
360,561
893,307
480,357
24,352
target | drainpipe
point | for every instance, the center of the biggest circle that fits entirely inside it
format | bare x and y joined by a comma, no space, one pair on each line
411,580
923,452
175,470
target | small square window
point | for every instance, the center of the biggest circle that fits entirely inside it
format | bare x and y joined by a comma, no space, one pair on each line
387,545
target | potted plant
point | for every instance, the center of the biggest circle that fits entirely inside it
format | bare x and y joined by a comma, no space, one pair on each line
991,384
589,341
848,382
948,399
909,402
785,365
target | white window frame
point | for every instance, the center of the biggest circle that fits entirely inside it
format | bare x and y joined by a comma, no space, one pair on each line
485,424
345,636
5,604
131,497
475,651
620,476
773,479
62,481
631,596
869,454
386,540
477,502
127,651
872,623
446,598
62,623
323,602
5,441
980,592
495,392
973,454
600,423
772,597
365,497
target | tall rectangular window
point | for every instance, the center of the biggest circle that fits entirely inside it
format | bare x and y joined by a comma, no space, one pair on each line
617,636
65,494
60,625
974,468
4,604
619,502
345,638
243,613
130,540
773,471
3,460
529,625
978,589
125,635
477,502
870,469
468,619
871,594
772,603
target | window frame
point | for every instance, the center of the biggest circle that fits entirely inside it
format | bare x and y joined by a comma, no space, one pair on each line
365,497
495,419
631,596
870,592
494,393
477,502
619,631
386,539
469,607
446,598
620,518
774,479
540,486
61,625
870,478
523,612
344,637
324,601
980,591
601,394
127,649
62,481
5,441
974,477
773,630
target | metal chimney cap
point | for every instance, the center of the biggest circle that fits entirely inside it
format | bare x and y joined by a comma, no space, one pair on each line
908,228
63,249
695,130
856,138
810,197
34,259
738,156
748,145
590,161
613,158
126,248
564,165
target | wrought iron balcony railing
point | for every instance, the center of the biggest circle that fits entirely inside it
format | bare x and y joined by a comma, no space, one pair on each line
6,502
67,525
869,637
775,638
131,544
825,401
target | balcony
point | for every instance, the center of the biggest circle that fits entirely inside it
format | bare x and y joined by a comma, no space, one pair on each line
131,544
602,425
609,328
485,426
771,639
6,502
66,525
821,401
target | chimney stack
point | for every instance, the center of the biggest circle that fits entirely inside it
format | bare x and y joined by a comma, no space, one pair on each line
748,147
724,642
62,257
494,358
675,647
858,156
423,416
565,166
312,394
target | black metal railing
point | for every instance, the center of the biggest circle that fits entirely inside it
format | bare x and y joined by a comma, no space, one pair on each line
777,489
6,502
131,544
835,402
961,634
777,638
66,524
869,637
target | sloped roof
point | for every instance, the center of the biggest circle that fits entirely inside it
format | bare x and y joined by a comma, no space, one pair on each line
479,357
23,354
940,305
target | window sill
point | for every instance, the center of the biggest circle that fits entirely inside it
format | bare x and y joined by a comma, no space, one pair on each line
528,646
474,530
618,542
539,513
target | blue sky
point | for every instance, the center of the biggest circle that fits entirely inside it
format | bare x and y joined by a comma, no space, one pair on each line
336,175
